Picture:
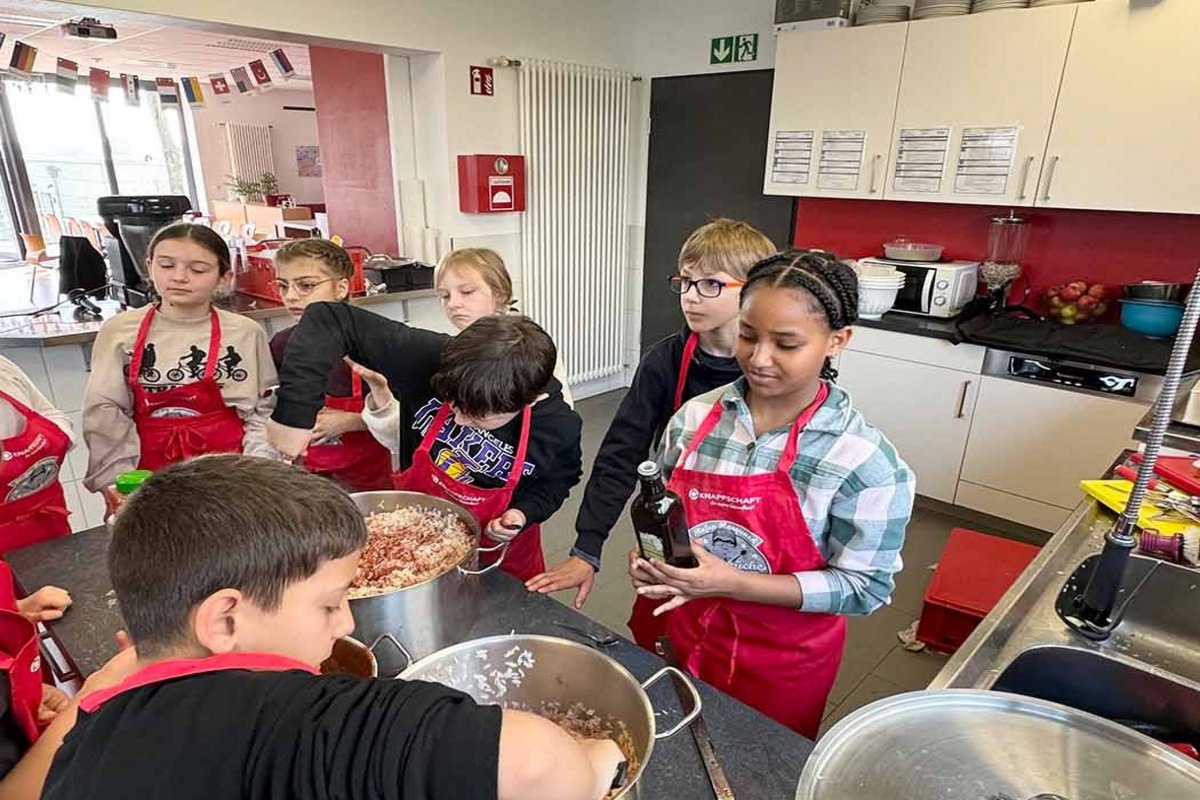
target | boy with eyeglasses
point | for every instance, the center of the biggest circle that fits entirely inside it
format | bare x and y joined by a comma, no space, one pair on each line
713,263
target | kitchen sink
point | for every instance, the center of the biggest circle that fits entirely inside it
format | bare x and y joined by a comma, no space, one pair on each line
1106,686
1160,625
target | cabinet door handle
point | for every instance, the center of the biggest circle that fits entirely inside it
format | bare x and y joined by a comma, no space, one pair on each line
1050,177
962,400
1025,177
874,170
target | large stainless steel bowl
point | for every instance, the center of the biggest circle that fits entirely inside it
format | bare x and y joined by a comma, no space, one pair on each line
1157,290
526,672
430,615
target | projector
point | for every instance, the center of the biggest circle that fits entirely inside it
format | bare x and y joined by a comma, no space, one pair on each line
89,28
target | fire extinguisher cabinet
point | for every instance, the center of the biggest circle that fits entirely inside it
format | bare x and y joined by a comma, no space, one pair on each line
491,184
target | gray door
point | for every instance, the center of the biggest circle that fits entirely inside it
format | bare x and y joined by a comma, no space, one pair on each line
708,140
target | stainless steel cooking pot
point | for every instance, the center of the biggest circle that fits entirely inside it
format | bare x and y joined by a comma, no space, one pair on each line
527,672
430,615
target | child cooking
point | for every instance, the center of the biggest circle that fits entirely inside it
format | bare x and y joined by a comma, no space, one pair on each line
319,271
797,506
230,628
137,415
472,283
713,263
477,418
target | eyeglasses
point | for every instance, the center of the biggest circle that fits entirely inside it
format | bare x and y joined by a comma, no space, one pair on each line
303,287
706,287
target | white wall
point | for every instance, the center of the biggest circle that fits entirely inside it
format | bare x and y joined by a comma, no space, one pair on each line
288,129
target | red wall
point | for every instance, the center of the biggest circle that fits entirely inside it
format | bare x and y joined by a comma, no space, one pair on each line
356,150
1097,246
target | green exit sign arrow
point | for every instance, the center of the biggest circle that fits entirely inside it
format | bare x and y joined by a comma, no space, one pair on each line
733,49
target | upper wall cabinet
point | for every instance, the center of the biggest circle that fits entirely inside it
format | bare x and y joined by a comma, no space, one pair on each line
831,111
976,99
1125,131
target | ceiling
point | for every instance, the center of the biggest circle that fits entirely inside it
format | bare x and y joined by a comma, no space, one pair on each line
144,46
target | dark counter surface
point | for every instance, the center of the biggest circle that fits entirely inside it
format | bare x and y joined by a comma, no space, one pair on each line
915,325
761,758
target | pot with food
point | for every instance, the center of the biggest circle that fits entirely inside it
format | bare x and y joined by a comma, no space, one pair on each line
581,689
417,577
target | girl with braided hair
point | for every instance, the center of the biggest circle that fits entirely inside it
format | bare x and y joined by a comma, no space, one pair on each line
797,505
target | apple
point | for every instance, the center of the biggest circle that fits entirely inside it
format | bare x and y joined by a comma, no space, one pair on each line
1056,311
1057,302
1087,303
1098,291
1068,312
1054,291
1079,286
1101,307
1070,293
1083,315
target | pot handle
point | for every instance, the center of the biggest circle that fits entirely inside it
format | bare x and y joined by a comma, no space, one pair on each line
502,547
394,642
691,688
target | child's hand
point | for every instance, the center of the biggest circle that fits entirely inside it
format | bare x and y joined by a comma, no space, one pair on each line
381,393
47,603
506,527
290,442
331,424
714,577
54,700
574,572
639,576
112,502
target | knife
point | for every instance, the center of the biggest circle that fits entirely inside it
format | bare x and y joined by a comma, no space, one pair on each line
699,729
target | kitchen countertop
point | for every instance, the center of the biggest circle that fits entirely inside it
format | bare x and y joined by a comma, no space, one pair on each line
915,325
761,758
61,328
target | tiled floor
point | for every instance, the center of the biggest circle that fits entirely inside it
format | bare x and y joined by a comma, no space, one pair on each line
874,665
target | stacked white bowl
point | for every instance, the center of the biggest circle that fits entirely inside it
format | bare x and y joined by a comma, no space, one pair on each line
878,286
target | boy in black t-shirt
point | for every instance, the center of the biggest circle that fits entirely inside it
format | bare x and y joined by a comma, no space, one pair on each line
232,574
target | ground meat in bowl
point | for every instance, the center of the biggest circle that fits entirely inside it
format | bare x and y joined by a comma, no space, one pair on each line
409,546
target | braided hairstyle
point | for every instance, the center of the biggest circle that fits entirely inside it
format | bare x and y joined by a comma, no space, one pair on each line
830,285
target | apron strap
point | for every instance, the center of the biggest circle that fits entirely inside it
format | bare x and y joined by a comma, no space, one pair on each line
214,345
706,427
22,409
518,467
139,344
685,364
435,427
788,457
355,385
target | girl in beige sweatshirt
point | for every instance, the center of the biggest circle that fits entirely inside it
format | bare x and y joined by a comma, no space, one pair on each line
190,397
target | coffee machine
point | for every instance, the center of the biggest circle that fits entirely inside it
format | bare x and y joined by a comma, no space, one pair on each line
131,222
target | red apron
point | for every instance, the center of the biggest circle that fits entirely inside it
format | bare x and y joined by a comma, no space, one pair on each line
171,669
355,459
778,660
524,558
20,658
186,420
645,627
32,505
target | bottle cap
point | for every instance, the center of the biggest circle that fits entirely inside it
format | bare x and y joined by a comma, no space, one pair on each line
129,482
649,469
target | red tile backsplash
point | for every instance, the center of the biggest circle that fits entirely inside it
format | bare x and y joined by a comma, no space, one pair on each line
1096,246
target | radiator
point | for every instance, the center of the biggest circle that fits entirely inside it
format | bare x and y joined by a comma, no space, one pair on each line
249,149
575,136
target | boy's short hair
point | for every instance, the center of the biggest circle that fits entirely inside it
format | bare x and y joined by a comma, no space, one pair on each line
222,522
335,258
498,365
725,245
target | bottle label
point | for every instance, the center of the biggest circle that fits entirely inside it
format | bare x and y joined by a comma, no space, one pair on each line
651,547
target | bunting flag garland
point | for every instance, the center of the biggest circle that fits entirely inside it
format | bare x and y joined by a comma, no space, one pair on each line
192,91
98,78
283,64
23,56
133,90
67,75
220,87
261,77
168,92
241,80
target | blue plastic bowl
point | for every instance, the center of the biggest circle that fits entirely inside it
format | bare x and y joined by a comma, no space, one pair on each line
1155,318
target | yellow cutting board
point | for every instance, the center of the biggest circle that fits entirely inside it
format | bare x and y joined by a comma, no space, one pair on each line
1114,494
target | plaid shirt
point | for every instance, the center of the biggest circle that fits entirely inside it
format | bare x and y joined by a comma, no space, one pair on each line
854,491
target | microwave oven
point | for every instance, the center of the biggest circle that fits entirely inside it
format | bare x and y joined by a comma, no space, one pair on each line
933,288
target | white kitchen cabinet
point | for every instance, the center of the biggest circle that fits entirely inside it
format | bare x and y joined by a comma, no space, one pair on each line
830,82
994,77
924,410
1034,443
1124,132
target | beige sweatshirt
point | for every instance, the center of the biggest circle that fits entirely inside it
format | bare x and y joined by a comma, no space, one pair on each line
16,384
179,353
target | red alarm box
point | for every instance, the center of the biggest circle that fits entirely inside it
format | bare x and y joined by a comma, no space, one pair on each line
491,184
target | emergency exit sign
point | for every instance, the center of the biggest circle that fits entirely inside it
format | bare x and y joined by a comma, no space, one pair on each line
733,49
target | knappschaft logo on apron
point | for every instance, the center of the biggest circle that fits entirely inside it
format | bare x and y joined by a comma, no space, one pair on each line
722,500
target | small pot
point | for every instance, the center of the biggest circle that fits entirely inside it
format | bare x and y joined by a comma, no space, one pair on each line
436,613
525,672
1157,290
